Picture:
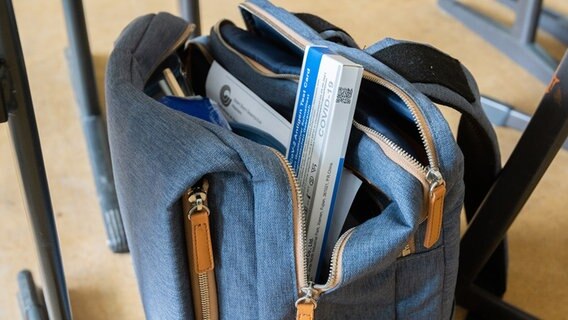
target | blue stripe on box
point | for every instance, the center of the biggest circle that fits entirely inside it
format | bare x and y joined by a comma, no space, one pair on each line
304,107
330,216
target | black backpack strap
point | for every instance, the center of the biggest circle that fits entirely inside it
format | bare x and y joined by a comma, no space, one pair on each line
446,81
327,30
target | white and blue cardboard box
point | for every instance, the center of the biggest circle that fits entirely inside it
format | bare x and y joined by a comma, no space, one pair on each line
323,115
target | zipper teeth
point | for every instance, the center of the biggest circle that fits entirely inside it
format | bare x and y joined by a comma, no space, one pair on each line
300,207
204,293
256,12
333,280
409,159
336,253
414,110
411,104
392,145
217,29
183,37
204,51
202,278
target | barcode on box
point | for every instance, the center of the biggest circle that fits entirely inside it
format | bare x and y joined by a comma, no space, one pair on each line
344,95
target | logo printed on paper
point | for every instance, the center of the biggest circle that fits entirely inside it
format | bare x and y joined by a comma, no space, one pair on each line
225,95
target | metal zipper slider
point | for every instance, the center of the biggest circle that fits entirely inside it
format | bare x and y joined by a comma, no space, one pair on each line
197,195
198,215
436,198
409,248
307,304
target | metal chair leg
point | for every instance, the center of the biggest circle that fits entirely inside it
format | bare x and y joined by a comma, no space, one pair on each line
518,43
29,298
93,123
503,115
17,108
551,21
190,12
540,142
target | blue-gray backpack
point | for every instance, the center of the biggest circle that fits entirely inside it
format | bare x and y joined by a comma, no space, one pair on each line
397,257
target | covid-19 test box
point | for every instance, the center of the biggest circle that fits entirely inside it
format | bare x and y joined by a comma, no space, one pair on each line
323,115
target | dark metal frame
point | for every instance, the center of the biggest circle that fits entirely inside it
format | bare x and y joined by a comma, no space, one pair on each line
190,11
551,21
504,115
92,120
17,109
540,142
543,135
517,42
93,123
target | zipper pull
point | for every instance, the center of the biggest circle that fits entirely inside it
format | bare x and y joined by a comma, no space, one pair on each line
198,215
409,248
436,198
197,195
307,304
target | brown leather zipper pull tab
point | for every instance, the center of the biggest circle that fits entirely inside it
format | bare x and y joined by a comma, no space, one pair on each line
305,311
307,304
201,241
200,252
435,207
198,215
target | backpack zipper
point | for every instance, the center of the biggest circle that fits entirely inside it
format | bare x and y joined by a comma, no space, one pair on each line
430,177
200,252
435,187
301,43
259,68
308,292
184,36
283,29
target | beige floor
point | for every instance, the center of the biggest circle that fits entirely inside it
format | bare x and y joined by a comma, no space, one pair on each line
102,285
